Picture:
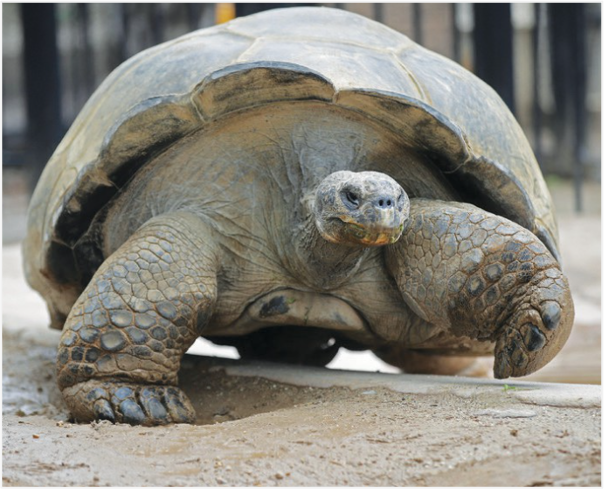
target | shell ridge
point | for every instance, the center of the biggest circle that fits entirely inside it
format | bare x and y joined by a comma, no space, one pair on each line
509,180
219,93
106,91
424,93
104,175
421,105
230,30
139,108
302,40
242,55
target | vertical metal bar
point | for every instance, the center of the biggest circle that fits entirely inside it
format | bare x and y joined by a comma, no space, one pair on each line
125,29
42,84
243,9
378,12
417,23
537,114
455,34
493,48
193,11
72,78
567,31
580,102
155,20
87,60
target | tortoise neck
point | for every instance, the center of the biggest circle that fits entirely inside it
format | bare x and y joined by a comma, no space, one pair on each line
326,265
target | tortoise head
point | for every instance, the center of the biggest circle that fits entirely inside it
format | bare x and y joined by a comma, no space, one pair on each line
360,209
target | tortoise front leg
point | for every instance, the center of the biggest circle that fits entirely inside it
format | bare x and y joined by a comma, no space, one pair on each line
123,341
484,277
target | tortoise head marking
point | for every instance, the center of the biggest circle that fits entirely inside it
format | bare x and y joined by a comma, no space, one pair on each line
360,209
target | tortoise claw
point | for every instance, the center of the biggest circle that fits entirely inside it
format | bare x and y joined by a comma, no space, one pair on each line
134,404
132,413
152,405
551,314
178,406
531,339
103,410
510,355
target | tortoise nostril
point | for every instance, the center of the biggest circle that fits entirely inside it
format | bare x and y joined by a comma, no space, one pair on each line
384,203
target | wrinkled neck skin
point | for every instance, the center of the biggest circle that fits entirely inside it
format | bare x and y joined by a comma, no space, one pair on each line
327,265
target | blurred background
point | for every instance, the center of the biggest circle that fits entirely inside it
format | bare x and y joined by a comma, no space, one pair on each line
543,59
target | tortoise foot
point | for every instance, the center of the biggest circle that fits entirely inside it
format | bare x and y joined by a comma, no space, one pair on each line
480,276
123,402
536,331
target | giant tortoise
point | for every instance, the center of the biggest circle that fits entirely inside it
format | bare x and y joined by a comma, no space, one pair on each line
289,183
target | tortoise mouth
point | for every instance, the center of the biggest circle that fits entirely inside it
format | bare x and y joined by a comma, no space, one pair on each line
351,231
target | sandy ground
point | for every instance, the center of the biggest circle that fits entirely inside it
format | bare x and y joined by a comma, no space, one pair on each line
310,430
262,425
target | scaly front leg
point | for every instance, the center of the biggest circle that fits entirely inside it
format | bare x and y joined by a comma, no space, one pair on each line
484,277
123,341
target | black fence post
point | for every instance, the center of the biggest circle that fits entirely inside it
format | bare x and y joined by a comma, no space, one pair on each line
567,38
537,121
455,35
378,12
125,17
194,11
417,23
243,9
493,52
42,85
156,23
87,58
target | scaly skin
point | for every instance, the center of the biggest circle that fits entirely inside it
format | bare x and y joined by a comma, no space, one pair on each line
123,341
484,277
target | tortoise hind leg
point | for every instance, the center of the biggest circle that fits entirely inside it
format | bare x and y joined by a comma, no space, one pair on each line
484,277
123,341
428,363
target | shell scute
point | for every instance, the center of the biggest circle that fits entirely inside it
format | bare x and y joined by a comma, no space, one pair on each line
328,25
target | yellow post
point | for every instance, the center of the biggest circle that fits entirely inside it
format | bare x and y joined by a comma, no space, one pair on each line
224,12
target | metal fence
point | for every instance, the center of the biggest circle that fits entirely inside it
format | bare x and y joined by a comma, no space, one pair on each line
543,59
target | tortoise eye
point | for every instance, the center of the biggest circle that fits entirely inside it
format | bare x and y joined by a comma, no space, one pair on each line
352,197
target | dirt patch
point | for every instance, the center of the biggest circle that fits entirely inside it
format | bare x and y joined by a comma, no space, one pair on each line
219,397
254,431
